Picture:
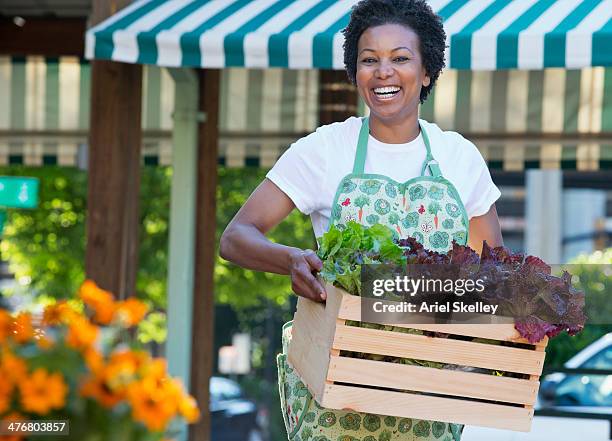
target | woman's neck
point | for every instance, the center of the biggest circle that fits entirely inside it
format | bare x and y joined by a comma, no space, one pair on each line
392,132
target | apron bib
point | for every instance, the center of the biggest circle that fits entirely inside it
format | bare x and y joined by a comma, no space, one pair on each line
427,208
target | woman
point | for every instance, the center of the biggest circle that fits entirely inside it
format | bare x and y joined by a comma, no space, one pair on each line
393,53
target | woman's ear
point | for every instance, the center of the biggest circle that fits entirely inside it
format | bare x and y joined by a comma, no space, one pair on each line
426,80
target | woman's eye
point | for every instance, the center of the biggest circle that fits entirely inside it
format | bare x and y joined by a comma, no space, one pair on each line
368,60
401,59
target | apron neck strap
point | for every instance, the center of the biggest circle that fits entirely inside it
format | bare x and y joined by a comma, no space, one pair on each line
430,163
362,148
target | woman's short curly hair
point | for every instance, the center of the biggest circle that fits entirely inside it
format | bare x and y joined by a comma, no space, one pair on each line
415,14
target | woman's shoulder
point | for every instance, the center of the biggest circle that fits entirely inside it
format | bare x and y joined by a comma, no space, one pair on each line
348,127
335,136
448,141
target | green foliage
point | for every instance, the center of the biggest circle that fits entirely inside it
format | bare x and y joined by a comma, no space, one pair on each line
596,281
343,253
154,231
245,288
45,247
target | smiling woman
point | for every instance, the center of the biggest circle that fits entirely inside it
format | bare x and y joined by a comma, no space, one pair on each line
390,76
391,168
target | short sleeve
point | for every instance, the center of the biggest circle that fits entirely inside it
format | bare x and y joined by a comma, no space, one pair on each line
481,192
301,172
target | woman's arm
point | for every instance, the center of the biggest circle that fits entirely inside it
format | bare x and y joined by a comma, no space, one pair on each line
485,227
244,242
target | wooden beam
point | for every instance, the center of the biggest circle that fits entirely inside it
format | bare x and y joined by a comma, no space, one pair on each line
49,37
203,295
115,140
114,176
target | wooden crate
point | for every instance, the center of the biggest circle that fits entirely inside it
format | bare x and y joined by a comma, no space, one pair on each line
319,333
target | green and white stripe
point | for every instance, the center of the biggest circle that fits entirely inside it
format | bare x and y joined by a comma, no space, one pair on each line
305,34
551,118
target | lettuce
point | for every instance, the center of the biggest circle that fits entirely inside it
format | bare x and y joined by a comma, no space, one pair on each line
542,304
344,251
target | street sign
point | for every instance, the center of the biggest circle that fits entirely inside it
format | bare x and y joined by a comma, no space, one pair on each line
18,192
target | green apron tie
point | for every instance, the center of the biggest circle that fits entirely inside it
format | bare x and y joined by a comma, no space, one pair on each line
362,148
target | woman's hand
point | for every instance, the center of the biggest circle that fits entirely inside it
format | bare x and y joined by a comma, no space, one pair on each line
302,264
244,242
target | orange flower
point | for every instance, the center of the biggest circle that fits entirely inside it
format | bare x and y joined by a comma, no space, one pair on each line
123,367
93,359
154,401
120,372
57,313
13,367
109,382
131,311
188,408
6,390
104,313
42,392
81,334
155,368
5,325
96,388
12,417
91,294
100,301
22,328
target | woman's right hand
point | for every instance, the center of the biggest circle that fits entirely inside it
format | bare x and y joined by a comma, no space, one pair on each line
302,265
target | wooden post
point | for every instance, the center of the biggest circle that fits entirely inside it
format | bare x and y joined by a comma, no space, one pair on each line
114,168
337,97
203,293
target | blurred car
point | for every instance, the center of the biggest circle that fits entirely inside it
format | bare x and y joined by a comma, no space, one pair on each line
577,393
233,417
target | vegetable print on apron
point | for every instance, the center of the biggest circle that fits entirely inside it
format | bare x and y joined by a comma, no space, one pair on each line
427,208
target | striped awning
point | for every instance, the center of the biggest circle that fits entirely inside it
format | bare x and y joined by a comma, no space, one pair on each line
305,34
553,118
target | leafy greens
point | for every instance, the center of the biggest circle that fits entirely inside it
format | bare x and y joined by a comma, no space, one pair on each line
542,304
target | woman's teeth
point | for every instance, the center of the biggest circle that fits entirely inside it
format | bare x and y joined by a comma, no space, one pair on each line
386,92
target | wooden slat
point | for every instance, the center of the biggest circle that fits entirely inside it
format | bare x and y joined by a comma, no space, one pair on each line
310,360
313,331
312,336
428,408
440,381
324,315
459,352
350,309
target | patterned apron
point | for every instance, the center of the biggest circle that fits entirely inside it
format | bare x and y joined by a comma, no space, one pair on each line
427,208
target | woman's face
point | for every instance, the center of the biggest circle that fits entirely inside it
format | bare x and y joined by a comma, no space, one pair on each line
390,71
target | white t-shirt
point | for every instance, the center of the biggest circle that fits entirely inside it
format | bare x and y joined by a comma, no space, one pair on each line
310,171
